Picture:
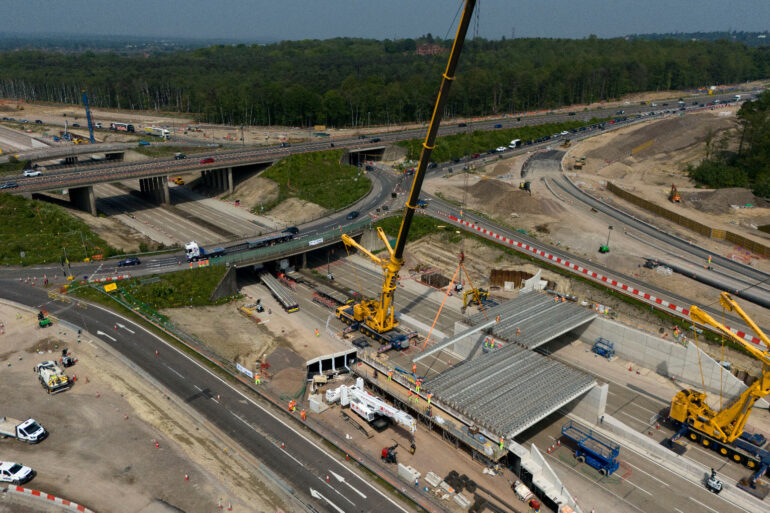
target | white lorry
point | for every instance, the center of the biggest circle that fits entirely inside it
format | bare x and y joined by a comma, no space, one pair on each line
27,431
52,377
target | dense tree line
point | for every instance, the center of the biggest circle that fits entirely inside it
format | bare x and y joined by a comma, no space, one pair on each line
354,82
749,164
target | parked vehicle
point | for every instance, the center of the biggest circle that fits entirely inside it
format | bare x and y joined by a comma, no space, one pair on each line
11,472
52,377
593,448
26,431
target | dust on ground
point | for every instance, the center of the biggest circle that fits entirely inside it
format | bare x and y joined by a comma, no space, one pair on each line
296,211
647,158
101,452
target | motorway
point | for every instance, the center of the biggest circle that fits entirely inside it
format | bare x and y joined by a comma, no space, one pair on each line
251,422
80,176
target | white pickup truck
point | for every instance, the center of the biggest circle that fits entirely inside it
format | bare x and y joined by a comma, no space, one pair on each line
14,473
27,431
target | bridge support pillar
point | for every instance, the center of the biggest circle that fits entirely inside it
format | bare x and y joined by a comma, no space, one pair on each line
83,198
304,260
155,188
229,177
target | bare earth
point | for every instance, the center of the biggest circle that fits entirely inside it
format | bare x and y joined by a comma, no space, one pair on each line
101,451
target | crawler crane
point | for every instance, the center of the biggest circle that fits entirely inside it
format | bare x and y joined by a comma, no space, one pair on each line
375,317
721,430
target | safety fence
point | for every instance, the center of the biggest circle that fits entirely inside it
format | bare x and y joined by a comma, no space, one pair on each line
687,222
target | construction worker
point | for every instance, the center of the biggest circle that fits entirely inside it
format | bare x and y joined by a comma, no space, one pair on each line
414,369
412,448
502,443
257,379
303,415
518,332
429,396
390,375
497,319
316,332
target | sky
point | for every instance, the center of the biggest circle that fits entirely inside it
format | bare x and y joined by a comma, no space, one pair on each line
260,20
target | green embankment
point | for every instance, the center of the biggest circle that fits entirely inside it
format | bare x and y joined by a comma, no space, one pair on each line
43,232
480,141
170,290
319,178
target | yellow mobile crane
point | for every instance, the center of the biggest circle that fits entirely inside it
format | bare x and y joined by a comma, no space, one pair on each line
375,317
722,430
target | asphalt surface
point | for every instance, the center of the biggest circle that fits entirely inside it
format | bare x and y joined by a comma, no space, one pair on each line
82,176
258,428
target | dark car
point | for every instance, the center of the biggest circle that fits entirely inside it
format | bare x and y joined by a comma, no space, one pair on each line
376,139
292,229
9,185
352,215
498,125
361,343
285,145
475,155
179,156
207,160
432,165
462,125
571,113
75,125
39,121
129,261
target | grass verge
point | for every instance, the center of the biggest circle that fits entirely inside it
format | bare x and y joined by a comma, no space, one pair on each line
319,178
43,232
480,141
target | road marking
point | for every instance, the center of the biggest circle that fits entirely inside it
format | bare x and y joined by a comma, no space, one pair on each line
199,388
336,491
646,473
595,483
175,372
700,503
646,409
317,495
253,402
342,480
122,326
637,486
678,510
105,335
632,417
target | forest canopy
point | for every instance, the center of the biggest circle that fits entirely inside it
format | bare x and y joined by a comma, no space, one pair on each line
354,82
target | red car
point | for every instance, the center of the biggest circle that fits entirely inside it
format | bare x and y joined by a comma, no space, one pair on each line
207,160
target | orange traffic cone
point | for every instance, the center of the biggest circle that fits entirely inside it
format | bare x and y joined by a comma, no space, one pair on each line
157,446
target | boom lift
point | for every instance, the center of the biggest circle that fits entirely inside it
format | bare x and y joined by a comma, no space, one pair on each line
376,316
721,430
88,117
369,406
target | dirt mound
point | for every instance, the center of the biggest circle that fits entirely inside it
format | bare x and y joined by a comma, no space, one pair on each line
256,191
664,136
719,201
503,198
296,211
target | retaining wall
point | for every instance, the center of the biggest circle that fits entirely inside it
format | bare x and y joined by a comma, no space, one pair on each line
669,359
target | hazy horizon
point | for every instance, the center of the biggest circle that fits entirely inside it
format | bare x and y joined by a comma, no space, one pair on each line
260,21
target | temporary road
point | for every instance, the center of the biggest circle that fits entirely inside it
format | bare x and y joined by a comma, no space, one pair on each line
269,435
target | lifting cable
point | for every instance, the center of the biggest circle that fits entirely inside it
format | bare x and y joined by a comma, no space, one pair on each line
449,288
475,292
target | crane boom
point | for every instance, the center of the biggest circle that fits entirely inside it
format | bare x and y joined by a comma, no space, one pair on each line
725,425
88,117
378,315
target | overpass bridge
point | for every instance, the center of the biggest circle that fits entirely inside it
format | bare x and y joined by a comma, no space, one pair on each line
219,171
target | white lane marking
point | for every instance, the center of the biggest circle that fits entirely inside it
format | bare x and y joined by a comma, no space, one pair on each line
175,372
643,408
342,480
595,483
105,335
638,487
317,495
123,326
632,417
700,503
646,473
678,510
254,403
199,388
336,491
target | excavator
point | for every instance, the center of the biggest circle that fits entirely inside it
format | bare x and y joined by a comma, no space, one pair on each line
375,317
674,196
722,431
